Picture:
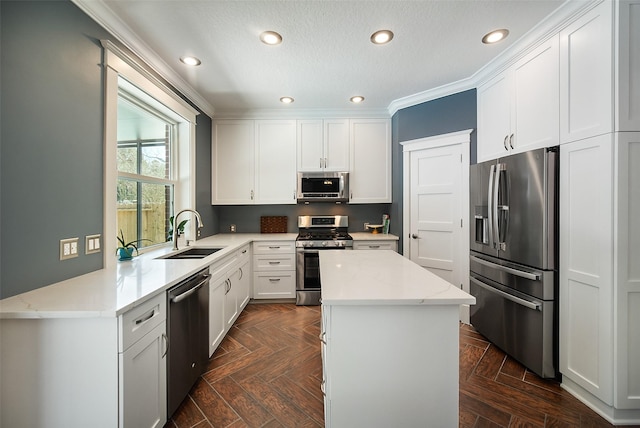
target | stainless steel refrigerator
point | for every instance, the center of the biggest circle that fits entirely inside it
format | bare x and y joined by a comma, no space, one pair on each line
514,256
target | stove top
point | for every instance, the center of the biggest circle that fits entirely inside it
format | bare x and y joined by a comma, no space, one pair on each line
323,232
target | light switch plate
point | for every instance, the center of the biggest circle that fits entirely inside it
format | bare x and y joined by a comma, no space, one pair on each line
92,244
68,248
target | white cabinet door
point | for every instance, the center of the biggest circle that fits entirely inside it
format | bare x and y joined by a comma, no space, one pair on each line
518,110
231,299
233,162
310,145
336,144
217,321
323,145
244,284
586,271
586,73
535,117
494,118
370,172
143,389
275,162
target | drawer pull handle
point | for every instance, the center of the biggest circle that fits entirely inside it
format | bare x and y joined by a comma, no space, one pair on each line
274,263
274,279
322,336
274,248
166,345
147,317
374,246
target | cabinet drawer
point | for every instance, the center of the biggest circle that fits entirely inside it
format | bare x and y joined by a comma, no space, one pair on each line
140,320
244,253
221,267
274,262
276,285
375,245
271,247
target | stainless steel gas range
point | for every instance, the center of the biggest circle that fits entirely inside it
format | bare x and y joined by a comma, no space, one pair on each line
315,234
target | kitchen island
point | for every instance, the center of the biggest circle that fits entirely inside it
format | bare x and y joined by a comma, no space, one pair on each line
390,341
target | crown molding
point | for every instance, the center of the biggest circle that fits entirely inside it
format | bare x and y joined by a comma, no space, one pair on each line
104,16
551,25
548,27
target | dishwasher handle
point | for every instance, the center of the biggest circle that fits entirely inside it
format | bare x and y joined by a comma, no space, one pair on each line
189,292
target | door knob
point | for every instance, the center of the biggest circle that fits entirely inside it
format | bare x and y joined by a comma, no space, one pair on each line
414,236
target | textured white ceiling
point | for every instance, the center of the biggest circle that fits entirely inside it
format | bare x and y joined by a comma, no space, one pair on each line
326,56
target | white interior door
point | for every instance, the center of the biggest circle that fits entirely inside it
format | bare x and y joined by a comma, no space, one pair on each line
436,197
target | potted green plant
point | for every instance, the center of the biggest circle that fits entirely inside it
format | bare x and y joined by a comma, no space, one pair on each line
125,249
180,228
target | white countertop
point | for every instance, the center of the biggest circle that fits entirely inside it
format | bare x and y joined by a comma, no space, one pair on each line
368,236
111,292
383,278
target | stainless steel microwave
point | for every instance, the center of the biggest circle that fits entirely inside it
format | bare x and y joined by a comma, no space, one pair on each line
323,187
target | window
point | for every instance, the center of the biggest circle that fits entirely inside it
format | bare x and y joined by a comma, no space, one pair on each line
146,178
149,155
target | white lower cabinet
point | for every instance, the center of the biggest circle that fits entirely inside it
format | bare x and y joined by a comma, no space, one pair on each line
229,293
143,365
375,245
143,381
274,270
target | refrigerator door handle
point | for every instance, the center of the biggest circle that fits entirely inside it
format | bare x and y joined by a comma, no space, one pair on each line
497,208
514,299
522,274
490,203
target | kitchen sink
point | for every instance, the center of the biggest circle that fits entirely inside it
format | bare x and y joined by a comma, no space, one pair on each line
192,253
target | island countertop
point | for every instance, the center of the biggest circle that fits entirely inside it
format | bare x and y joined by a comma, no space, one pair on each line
383,278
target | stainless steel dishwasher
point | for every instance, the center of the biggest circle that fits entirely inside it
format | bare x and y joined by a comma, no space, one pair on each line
188,328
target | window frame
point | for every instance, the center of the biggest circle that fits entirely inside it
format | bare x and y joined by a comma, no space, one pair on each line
123,72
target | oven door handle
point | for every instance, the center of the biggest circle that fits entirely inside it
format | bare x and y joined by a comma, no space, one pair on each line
522,302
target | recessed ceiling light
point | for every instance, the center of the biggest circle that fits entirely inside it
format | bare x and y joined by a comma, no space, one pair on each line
190,60
271,38
357,99
286,100
381,37
495,36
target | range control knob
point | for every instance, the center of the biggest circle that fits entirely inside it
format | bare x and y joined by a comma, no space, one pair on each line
324,243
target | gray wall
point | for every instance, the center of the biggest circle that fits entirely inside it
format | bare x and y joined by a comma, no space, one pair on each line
455,112
51,142
247,217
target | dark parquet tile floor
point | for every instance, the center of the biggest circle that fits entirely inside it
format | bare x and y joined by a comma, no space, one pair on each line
268,369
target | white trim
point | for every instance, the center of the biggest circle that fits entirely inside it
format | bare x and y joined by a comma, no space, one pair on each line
118,64
99,11
454,138
457,137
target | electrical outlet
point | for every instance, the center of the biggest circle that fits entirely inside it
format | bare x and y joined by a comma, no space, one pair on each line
232,228
92,244
68,248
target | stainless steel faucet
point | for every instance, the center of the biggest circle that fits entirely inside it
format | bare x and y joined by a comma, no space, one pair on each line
176,223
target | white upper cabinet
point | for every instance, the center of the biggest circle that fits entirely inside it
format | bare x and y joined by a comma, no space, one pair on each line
518,109
233,162
275,163
254,162
494,118
323,145
586,70
370,171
